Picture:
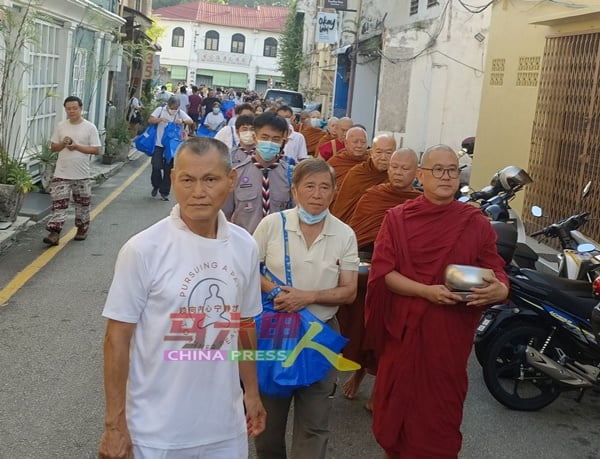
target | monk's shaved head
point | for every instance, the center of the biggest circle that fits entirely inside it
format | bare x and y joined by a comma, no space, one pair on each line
402,169
425,159
383,148
343,125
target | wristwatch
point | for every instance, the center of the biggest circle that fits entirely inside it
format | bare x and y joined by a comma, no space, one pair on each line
273,293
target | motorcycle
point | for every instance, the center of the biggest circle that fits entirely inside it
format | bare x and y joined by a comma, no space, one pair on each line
542,342
494,201
576,261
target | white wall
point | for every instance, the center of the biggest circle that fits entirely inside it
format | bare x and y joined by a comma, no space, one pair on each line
194,56
433,98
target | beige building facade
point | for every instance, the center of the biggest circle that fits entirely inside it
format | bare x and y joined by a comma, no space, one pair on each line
540,105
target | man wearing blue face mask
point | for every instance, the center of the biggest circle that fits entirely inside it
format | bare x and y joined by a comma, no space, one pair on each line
322,261
263,178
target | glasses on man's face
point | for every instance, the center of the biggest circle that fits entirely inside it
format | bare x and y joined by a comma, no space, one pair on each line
439,171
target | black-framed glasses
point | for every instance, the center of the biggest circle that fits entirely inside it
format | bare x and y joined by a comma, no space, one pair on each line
439,171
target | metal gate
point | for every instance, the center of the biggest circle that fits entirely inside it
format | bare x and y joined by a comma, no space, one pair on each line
565,140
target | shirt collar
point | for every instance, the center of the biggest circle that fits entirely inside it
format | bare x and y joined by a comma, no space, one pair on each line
222,224
293,223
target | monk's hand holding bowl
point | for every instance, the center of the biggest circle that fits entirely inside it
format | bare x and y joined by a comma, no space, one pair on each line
292,299
439,294
494,292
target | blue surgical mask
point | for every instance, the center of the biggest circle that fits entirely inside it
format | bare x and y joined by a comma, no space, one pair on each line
311,219
216,110
267,149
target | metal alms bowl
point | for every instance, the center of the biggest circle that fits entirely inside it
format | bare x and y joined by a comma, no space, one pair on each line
462,277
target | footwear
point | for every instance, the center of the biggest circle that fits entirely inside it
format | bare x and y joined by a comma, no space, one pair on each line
52,238
81,235
164,197
153,192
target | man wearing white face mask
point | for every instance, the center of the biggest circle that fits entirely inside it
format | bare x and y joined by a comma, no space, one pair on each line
244,130
161,168
263,178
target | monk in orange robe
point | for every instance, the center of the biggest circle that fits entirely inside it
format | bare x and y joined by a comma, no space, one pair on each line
330,132
337,145
423,332
365,222
312,134
355,153
363,176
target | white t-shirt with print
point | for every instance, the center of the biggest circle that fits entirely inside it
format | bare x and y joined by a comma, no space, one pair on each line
72,164
171,115
185,293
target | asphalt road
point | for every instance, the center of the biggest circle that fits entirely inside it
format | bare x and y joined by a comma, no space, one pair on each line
51,331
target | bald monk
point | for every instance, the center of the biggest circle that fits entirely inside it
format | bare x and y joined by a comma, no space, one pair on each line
337,145
366,221
371,208
355,153
362,176
312,133
330,132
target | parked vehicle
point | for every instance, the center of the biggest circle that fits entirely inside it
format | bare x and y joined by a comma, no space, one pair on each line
494,202
542,342
292,99
576,260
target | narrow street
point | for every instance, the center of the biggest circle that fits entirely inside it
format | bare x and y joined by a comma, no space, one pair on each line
51,332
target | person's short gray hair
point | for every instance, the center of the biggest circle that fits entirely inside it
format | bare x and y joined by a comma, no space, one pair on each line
309,167
203,145
173,100
439,147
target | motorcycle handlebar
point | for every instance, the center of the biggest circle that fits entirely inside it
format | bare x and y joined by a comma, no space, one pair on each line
568,224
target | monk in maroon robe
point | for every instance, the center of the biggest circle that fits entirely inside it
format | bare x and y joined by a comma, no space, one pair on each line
366,221
423,332
328,150
363,176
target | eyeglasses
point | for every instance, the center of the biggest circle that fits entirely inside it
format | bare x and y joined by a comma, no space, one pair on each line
438,171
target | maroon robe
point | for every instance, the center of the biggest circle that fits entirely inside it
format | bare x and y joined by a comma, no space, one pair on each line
423,348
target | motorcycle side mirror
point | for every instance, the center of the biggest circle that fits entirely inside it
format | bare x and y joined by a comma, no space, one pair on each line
536,211
585,248
586,189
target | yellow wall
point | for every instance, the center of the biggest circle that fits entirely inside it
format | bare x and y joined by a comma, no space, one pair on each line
507,111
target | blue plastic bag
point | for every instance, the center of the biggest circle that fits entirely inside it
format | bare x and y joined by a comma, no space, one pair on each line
146,141
171,139
203,131
309,342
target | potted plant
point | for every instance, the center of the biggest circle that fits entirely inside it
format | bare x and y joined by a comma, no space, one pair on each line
47,162
15,181
116,142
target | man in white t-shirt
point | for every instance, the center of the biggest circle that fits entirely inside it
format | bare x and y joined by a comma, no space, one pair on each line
75,139
161,167
182,301
295,145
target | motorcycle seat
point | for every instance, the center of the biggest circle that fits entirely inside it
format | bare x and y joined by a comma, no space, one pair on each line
573,296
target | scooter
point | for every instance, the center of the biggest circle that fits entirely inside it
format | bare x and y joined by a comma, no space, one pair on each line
494,202
542,342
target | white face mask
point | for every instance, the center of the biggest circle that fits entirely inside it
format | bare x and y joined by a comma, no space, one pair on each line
316,122
247,137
